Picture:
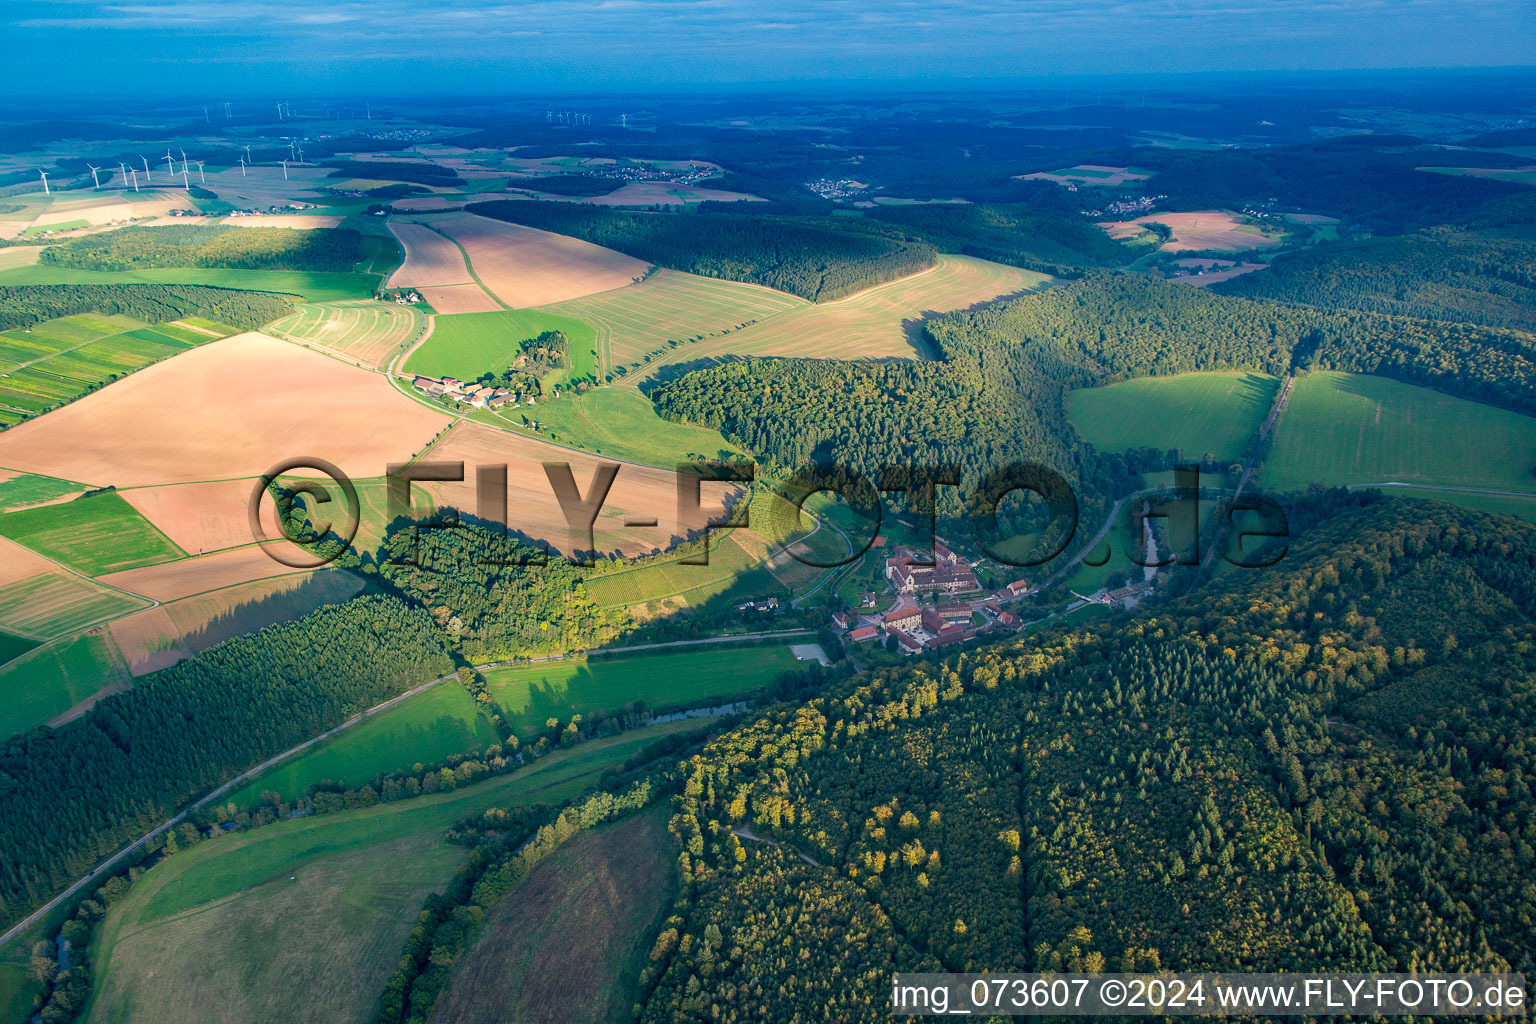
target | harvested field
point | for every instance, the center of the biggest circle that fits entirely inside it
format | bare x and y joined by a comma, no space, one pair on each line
365,332
106,210
668,306
1203,273
42,600
430,258
19,256
159,637
664,193
459,298
231,408
171,581
299,221
1202,229
638,493
432,202
569,941
524,266
879,322
263,186
202,517
1088,174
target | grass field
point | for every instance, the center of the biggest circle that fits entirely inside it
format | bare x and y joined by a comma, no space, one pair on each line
313,287
258,927
42,685
666,584
426,728
366,331
41,600
617,423
1195,413
568,944
467,345
31,489
16,992
670,306
96,534
879,322
1499,504
57,361
12,647
1342,428
528,695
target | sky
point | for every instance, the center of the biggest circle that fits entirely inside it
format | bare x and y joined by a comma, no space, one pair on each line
256,47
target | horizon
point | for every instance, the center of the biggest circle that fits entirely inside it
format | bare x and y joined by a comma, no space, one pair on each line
368,46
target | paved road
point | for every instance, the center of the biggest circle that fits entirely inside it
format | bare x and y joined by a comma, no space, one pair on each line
106,866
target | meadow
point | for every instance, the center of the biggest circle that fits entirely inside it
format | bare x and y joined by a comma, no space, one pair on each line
665,583
96,534
569,942
877,323
46,682
1194,413
617,424
257,927
467,345
22,489
1343,428
425,728
529,695
366,332
668,307
312,287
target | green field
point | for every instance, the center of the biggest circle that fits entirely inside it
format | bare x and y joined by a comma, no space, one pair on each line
426,728
1344,428
41,685
96,534
16,992
467,345
1498,504
13,647
1195,413
528,695
569,942
615,423
258,927
30,489
732,567
313,287
669,306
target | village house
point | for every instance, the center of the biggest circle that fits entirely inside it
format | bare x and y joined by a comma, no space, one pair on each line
863,633
903,617
947,574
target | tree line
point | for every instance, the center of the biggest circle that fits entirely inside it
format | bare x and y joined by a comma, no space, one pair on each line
335,250
26,305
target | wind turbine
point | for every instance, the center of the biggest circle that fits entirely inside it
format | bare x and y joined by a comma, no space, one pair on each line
183,158
122,171
147,176
549,115
369,107
95,179
226,110
290,151
201,178
45,182
170,165
279,111
184,182
135,174
205,116
301,154
623,120
242,167
285,169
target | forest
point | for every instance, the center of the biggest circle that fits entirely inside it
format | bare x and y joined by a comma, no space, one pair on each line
26,305
193,245
1441,274
815,258
184,730
1228,782
1048,242
396,170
